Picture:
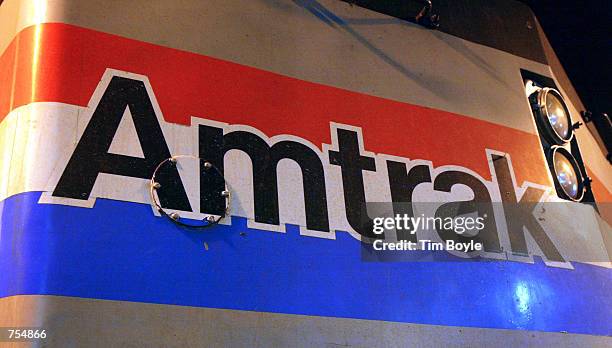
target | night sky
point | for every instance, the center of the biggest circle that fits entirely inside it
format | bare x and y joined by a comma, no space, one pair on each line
581,35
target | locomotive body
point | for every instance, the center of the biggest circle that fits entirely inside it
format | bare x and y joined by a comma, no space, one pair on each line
277,123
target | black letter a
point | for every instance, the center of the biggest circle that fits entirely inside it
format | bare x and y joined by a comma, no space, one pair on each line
91,155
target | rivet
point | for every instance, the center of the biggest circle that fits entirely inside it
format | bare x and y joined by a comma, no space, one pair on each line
174,216
156,185
207,165
225,193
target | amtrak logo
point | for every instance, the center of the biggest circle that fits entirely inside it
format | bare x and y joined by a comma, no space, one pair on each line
325,188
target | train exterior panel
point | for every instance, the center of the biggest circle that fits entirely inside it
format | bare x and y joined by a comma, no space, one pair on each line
281,121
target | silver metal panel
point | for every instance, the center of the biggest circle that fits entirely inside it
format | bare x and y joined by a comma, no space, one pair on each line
332,43
70,323
347,47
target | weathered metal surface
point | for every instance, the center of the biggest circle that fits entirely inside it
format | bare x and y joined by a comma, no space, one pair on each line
101,92
506,25
75,322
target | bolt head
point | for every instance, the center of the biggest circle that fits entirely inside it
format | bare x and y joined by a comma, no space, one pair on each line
225,193
207,165
174,216
156,185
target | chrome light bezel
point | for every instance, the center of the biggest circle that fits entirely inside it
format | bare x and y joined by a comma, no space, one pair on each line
544,120
574,163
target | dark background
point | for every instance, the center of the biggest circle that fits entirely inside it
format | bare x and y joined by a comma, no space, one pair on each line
580,33
578,30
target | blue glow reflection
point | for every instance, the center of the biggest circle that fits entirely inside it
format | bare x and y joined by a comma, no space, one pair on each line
523,307
557,116
566,175
521,293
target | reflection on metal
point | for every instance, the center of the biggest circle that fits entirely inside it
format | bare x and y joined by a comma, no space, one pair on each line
521,293
531,88
174,216
39,10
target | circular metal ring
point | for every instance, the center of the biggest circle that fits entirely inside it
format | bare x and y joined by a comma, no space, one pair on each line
208,221
555,170
544,115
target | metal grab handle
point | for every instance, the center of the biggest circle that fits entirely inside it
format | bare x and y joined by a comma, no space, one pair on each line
210,220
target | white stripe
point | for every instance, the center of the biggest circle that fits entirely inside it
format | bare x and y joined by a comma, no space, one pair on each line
38,140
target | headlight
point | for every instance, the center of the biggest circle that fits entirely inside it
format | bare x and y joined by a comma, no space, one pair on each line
566,173
554,116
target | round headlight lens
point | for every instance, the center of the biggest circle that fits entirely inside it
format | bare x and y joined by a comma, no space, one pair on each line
567,173
554,116
557,116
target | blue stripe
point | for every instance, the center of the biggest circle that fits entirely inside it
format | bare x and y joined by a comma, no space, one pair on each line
119,251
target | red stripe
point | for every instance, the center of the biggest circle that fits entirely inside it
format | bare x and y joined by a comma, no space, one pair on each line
7,62
601,193
73,60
